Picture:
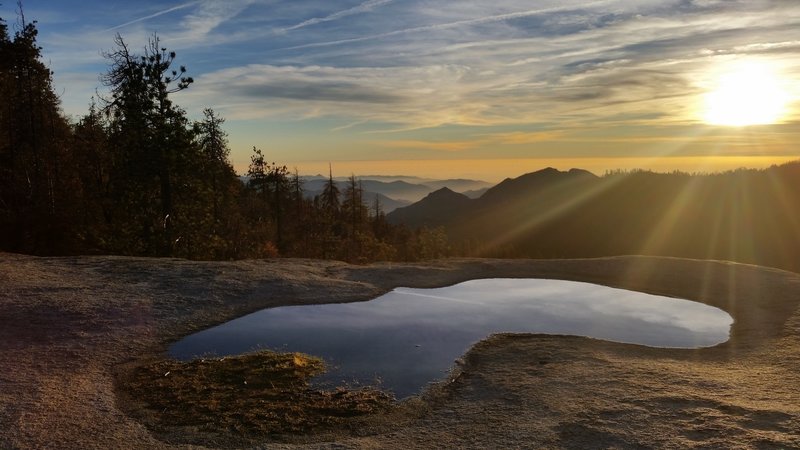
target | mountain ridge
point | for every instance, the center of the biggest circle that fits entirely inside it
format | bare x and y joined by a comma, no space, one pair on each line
748,215
435,209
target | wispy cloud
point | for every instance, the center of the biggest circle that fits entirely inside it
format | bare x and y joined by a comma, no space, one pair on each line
360,9
524,138
449,146
348,126
154,15
450,25
370,93
474,142
506,74
207,17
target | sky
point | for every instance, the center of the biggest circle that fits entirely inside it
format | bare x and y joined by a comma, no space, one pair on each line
468,88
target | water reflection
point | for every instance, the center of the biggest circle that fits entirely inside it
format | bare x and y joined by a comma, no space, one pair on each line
410,337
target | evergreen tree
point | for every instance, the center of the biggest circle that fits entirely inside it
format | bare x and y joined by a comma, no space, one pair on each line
353,209
220,186
7,159
278,179
330,226
354,214
330,195
380,226
151,142
269,184
300,230
93,162
37,191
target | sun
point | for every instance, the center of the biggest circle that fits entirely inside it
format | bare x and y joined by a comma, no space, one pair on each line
747,93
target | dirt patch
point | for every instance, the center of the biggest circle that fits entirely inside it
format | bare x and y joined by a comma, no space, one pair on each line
72,327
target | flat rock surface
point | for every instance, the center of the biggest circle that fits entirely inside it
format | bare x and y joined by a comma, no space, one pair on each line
68,325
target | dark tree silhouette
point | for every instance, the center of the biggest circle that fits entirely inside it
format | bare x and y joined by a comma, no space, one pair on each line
135,177
151,141
330,195
37,183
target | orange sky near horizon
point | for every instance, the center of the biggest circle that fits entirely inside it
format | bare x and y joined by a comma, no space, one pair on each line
495,170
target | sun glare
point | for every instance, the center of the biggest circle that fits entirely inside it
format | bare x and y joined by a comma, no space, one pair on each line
749,93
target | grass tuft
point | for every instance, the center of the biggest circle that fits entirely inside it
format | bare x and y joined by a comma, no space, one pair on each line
255,394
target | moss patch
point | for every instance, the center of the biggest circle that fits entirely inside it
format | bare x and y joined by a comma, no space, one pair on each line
257,394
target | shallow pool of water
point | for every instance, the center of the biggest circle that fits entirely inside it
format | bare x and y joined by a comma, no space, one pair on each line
410,337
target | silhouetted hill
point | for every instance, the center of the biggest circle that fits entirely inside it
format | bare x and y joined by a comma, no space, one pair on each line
519,206
458,184
506,202
399,190
526,185
750,216
437,208
388,204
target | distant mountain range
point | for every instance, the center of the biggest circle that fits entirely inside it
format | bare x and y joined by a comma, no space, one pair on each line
750,216
451,209
394,191
388,204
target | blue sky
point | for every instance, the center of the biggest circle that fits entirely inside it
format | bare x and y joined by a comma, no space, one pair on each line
462,88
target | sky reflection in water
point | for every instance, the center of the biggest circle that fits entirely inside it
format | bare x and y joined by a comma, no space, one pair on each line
410,337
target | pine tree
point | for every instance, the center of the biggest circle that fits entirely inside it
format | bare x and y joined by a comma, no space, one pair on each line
219,178
152,144
330,195
353,206
38,184
269,184
7,159
92,157
380,227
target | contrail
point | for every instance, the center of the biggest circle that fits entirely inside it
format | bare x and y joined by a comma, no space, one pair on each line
444,26
160,13
364,7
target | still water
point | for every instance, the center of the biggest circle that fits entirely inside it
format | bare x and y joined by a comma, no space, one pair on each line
410,337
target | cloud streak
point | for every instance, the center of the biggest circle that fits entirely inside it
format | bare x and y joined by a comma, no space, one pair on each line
153,16
360,9
450,25
209,16
461,145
